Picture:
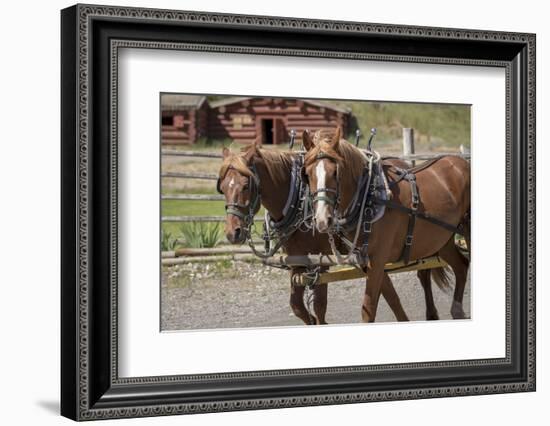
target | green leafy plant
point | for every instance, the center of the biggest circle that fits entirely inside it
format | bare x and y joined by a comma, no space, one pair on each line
167,241
201,235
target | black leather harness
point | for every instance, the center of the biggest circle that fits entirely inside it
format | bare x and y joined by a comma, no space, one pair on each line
294,213
350,217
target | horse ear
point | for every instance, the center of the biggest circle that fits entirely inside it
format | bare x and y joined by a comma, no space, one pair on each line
226,152
337,137
306,140
251,151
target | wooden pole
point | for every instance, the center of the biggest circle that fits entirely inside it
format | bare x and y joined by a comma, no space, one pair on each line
208,176
209,259
199,218
195,197
408,143
205,251
192,154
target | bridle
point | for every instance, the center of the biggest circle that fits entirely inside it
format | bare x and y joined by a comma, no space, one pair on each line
251,207
295,215
321,193
365,212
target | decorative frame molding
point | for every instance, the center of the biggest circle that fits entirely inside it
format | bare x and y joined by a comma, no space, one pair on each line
91,37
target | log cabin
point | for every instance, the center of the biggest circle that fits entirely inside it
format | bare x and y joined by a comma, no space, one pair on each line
186,118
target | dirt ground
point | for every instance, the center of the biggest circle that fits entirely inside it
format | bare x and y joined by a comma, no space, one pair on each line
238,294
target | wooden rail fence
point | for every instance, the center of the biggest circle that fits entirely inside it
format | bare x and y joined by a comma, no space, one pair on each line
408,155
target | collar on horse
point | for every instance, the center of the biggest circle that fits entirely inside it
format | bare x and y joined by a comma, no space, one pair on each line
295,201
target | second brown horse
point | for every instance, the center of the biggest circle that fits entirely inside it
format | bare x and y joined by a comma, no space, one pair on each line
334,167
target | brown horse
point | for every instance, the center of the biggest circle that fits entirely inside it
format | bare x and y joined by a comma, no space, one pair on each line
273,170
335,166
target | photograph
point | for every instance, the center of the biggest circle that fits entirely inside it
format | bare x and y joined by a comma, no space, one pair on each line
290,212
267,211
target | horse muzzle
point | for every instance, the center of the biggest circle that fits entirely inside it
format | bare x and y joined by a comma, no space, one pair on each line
236,235
324,223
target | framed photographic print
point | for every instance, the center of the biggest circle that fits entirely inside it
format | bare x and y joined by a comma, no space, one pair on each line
263,212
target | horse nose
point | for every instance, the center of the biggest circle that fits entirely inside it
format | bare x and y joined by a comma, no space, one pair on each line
324,224
234,236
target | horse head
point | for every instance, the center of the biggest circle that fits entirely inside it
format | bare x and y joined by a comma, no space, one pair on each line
239,184
322,162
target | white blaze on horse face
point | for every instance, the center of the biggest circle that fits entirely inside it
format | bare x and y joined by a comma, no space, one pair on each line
231,183
321,211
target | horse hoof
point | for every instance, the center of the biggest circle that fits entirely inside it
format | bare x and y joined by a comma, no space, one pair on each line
432,317
456,311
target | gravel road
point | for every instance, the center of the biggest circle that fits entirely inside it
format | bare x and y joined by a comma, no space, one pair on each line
238,294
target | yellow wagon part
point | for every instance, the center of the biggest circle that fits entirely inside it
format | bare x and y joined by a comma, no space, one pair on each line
351,272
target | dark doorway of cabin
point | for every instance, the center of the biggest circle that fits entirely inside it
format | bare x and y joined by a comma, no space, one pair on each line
267,131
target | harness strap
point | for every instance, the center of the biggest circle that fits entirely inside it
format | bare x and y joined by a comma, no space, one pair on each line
292,205
411,178
421,215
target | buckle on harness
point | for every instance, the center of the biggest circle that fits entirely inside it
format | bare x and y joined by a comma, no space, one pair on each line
367,227
409,240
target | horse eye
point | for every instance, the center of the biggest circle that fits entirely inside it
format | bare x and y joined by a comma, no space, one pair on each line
245,187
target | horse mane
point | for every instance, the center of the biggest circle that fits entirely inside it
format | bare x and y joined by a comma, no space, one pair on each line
277,163
346,155
237,162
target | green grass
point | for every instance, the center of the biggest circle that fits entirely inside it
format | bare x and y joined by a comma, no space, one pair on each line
189,208
435,125
192,208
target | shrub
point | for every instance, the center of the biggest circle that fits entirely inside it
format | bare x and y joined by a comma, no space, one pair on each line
201,235
167,241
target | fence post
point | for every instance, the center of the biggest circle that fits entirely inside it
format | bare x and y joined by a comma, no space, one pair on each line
408,143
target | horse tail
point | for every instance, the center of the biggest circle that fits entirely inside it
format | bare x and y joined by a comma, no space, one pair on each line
442,277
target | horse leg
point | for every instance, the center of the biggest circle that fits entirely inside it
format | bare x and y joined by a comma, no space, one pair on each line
375,279
320,302
459,264
466,229
389,293
424,276
297,301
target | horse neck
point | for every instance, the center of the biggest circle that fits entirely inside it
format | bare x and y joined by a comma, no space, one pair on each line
273,193
349,180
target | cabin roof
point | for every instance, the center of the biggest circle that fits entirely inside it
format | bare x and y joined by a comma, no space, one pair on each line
181,102
317,103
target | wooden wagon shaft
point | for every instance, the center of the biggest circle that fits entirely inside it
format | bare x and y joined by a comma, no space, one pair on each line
307,260
351,273
329,260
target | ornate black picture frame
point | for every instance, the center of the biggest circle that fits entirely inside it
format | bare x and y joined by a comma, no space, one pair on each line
91,37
